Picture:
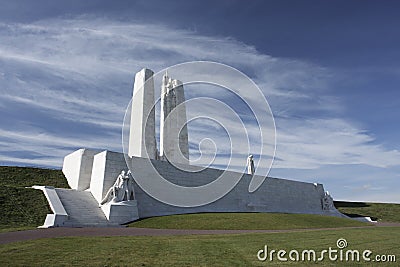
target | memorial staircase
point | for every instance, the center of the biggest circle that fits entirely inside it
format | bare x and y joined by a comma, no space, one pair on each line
82,209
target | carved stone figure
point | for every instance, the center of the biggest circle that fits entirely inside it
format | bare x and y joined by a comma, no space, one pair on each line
174,145
250,165
327,202
122,190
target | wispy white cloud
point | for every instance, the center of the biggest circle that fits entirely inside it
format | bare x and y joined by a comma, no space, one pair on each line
32,147
80,71
49,162
308,143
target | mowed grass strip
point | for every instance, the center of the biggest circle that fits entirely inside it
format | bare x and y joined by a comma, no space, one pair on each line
242,221
197,250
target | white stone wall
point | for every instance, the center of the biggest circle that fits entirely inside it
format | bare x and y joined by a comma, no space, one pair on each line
72,166
97,177
77,168
107,166
274,195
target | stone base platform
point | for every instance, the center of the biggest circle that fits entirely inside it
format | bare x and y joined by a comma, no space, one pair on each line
121,212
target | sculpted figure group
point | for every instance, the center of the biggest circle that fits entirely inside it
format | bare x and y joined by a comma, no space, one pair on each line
122,190
327,202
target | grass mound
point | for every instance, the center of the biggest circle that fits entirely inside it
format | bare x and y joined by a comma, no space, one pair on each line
22,207
381,211
242,221
26,176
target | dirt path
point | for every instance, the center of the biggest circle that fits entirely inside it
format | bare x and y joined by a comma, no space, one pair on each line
9,237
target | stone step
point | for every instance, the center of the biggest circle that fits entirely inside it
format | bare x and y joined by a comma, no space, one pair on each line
82,209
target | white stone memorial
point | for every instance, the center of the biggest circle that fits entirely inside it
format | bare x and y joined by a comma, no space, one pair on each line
105,193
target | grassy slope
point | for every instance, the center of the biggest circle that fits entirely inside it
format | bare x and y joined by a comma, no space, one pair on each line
272,221
381,211
208,250
21,207
24,176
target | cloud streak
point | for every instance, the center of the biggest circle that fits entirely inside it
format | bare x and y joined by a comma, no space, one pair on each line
65,83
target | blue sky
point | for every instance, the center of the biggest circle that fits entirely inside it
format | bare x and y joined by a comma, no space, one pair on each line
330,71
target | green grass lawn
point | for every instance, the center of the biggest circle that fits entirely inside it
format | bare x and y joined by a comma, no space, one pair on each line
197,250
25,208
272,221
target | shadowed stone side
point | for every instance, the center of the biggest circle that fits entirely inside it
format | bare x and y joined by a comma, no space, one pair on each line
275,195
